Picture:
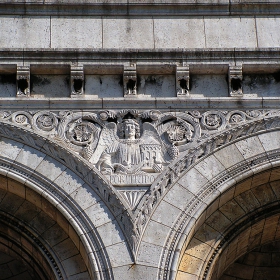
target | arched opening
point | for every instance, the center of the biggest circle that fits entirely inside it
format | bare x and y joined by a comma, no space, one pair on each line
240,225
36,240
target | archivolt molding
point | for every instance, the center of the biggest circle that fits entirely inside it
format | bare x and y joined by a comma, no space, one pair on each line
100,265
197,205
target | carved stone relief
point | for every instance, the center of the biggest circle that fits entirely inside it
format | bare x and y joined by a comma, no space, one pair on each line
177,140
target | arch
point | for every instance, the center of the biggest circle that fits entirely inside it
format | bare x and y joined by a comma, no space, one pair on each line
184,201
73,191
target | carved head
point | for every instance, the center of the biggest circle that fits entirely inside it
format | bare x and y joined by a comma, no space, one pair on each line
130,129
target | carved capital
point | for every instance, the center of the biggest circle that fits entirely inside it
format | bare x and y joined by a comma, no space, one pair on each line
23,81
182,80
77,80
235,80
130,80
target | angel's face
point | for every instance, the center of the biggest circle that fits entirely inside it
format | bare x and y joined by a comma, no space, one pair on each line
129,131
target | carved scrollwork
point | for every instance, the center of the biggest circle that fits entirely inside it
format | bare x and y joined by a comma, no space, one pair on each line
45,121
213,120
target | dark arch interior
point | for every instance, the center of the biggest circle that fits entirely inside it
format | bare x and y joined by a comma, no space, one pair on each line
36,241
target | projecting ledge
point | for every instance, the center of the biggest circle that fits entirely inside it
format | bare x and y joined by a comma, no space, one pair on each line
165,104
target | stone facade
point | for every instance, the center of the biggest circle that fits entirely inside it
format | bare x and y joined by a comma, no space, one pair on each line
139,139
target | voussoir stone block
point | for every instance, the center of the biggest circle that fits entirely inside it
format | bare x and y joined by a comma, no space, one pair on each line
250,147
193,180
210,167
30,157
229,155
178,196
9,148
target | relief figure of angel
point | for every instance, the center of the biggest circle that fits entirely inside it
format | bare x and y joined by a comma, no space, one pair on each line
132,153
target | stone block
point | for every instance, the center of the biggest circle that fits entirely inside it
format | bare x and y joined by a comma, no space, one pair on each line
198,249
243,186
125,33
232,210
30,157
268,31
208,86
185,276
139,272
250,147
76,32
191,264
25,32
27,211
6,204
50,86
179,33
84,196
218,221
241,271
264,194
230,32
207,235
229,156
119,254
270,140
157,85
149,254
74,265
178,196
16,188
105,86
68,181
54,235
66,249
210,167
166,213
275,174
247,201
99,214
156,233
226,196
50,168
193,181
42,222
9,148
111,233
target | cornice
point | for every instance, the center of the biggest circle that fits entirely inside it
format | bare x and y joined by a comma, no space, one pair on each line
139,8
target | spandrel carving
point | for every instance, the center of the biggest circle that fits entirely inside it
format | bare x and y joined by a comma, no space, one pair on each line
131,153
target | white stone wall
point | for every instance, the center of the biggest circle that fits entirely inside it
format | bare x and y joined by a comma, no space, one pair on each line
139,33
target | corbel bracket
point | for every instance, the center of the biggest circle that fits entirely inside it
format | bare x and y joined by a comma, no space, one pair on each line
23,81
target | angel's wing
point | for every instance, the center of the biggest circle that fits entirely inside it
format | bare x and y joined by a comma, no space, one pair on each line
108,135
108,139
151,136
